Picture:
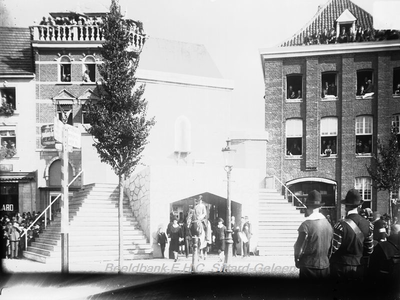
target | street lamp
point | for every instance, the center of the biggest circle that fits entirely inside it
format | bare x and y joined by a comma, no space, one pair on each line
228,157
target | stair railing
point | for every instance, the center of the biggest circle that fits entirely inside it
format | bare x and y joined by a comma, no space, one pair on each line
291,193
44,212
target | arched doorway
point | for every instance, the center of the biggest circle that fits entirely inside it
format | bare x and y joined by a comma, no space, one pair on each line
328,189
216,208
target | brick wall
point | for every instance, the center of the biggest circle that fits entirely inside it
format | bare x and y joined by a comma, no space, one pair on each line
346,166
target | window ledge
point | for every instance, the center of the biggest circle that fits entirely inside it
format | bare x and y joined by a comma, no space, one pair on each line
325,99
294,157
368,155
365,97
396,96
330,156
294,100
64,83
88,83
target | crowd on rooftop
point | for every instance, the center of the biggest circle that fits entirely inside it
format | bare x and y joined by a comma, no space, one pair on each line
349,36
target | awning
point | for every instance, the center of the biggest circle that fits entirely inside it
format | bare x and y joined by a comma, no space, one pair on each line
16,176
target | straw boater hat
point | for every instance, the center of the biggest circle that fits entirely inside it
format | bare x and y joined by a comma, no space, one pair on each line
220,220
314,200
353,198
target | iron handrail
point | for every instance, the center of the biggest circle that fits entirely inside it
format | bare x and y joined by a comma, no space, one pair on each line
45,212
286,188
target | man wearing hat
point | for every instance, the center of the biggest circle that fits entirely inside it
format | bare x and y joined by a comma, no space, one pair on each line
311,250
352,239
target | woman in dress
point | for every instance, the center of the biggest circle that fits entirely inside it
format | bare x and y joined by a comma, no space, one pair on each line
220,233
174,232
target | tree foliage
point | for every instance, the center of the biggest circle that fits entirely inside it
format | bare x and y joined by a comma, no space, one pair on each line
118,119
385,170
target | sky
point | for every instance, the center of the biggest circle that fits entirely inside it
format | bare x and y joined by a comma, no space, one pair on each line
233,31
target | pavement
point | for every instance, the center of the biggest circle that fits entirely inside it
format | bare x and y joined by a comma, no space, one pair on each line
265,265
142,279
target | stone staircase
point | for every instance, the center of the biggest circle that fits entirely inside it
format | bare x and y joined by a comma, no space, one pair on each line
278,224
93,230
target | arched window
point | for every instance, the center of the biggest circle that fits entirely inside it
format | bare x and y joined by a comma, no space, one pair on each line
65,69
89,69
294,137
55,173
183,138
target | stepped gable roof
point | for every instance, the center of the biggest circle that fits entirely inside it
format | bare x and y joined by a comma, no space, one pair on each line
177,57
15,51
326,18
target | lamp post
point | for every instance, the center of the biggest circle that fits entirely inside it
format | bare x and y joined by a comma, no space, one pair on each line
228,157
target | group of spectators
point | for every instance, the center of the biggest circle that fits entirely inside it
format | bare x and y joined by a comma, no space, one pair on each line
349,36
179,237
363,247
13,226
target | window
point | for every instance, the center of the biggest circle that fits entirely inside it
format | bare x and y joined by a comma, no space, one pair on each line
329,86
64,112
294,87
364,135
8,143
85,117
65,69
329,129
294,134
89,69
396,82
364,187
396,127
8,96
365,84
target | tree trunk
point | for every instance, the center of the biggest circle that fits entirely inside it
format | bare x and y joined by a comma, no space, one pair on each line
120,227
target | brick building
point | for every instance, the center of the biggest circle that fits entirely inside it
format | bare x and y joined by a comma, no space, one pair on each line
331,91
18,177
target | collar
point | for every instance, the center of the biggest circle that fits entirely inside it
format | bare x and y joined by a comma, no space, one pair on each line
316,215
354,211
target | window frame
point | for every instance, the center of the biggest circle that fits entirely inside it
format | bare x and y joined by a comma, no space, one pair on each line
329,97
88,65
364,73
6,96
396,126
10,152
70,120
363,185
294,136
289,82
61,69
365,132
331,134
396,77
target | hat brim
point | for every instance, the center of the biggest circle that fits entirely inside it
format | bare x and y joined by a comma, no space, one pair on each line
344,202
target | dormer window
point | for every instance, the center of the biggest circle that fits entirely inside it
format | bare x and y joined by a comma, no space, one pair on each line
346,27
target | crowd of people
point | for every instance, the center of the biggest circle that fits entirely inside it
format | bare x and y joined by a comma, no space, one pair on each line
349,36
179,238
363,247
14,226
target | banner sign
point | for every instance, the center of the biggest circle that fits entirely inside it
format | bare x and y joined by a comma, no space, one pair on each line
48,135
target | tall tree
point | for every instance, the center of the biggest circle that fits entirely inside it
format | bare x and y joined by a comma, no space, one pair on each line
118,119
385,168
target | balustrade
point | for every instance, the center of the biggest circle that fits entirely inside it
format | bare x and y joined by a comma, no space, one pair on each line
80,33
